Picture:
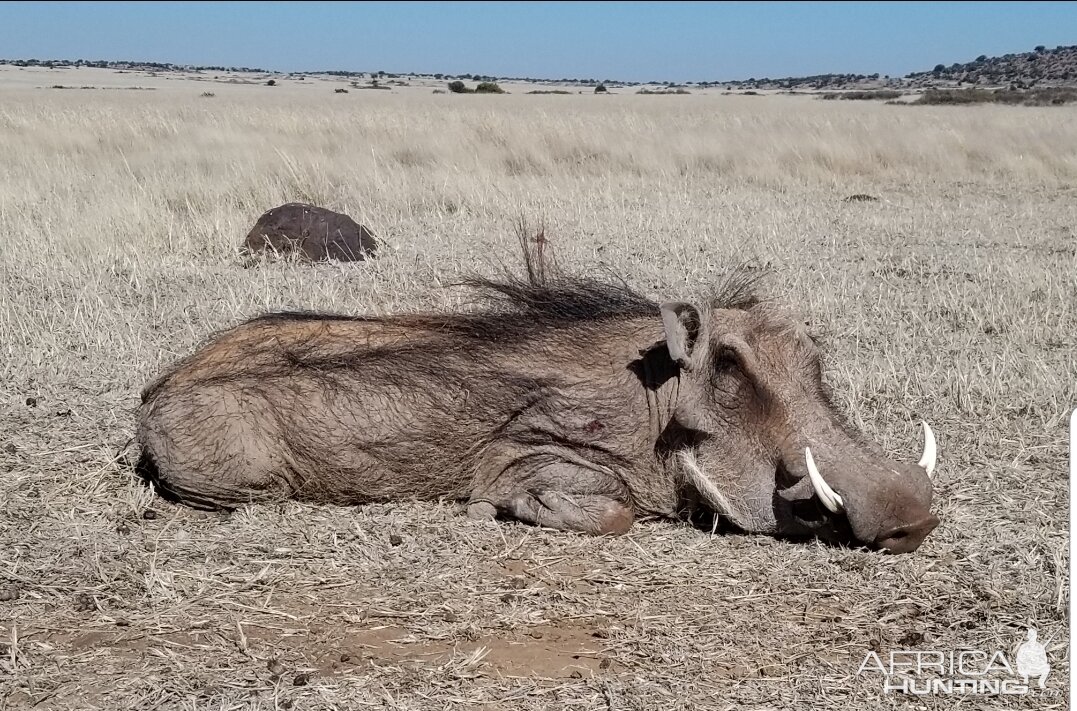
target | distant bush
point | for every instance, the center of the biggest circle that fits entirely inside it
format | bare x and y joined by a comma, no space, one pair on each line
486,87
601,89
340,91
271,82
1055,96
549,91
1014,97
876,94
207,94
439,91
663,91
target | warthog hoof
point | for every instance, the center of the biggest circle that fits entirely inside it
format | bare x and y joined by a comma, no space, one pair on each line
481,511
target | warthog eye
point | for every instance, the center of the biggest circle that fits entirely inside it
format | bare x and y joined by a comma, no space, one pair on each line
724,372
724,361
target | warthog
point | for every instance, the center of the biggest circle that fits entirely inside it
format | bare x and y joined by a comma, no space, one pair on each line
569,403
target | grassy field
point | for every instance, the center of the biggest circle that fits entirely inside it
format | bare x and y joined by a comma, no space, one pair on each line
952,297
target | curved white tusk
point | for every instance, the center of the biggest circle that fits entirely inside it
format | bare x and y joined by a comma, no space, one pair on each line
930,451
828,496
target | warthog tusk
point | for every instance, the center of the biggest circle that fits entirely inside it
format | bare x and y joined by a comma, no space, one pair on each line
828,496
930,452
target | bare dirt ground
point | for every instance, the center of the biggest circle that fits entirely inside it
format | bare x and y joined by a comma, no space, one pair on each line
951,297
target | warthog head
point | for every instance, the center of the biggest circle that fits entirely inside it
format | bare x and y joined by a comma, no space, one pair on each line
766,449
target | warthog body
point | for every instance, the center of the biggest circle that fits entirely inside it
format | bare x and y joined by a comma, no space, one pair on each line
566,403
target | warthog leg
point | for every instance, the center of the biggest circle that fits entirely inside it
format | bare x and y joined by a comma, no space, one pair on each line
551,487
590,513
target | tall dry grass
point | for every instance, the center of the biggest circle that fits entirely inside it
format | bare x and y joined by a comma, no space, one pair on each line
121,200
951,298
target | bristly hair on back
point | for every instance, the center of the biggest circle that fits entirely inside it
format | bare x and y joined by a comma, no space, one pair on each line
739,289
546,292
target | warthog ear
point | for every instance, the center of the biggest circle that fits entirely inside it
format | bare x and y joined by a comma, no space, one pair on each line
683,326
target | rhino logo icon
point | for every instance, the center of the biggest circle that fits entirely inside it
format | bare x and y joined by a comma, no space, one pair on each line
1032,660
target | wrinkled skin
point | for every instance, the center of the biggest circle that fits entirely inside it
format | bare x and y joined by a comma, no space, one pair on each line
571,405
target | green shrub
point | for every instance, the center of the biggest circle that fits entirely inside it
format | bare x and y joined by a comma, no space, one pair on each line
489,87
458,87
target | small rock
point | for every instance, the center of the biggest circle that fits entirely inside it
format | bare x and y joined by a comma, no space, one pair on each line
122,623
576,674
450,616
31,402
149,514
301,679
912,639
122,529
84,603
606,663
508,597
601,634
286,704
519,582
275,667
7,594
345,658
536,634
10,448
395,540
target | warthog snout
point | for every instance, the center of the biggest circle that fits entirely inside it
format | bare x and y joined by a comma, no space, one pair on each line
908,537
888,502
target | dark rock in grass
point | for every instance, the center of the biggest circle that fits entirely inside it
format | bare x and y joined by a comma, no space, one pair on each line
310,232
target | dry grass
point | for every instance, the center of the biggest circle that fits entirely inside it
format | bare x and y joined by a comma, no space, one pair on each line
951,298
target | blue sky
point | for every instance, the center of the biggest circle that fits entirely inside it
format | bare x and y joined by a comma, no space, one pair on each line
617,40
